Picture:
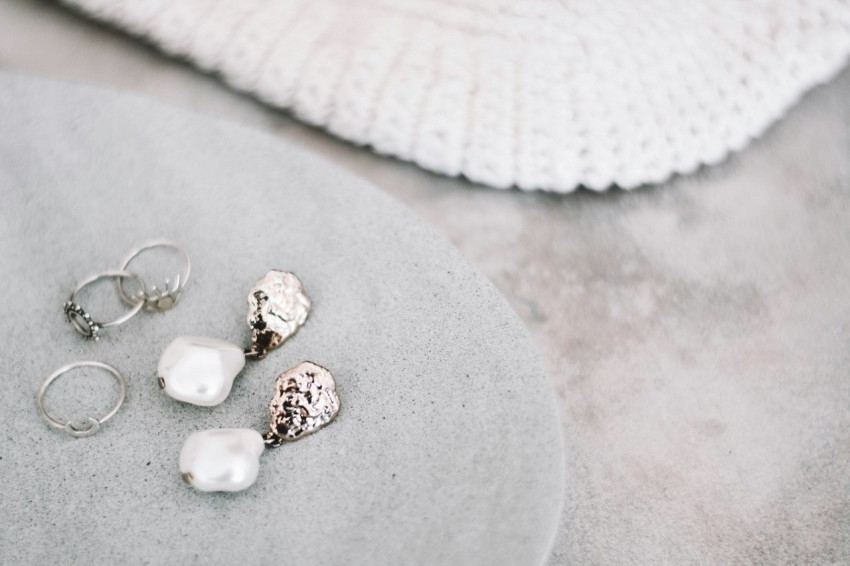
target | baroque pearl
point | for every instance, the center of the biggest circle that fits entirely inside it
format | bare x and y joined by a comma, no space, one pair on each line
224,459
200,370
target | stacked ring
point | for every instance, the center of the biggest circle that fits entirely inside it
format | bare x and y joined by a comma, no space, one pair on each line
149,297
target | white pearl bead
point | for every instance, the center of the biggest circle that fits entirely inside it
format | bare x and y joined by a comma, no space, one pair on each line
224,459
200,370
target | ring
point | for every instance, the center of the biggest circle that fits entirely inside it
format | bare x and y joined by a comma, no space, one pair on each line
82,321
157,300
93,424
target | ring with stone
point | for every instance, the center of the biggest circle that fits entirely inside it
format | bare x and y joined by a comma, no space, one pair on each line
92,424
82,321
157,299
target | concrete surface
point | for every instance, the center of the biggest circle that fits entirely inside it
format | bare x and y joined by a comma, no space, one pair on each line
698,333
447,448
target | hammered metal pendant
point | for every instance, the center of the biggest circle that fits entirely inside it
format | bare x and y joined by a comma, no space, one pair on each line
201,370
305,400
277,308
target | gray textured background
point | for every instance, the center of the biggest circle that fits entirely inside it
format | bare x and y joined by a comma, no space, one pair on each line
447,448
698,332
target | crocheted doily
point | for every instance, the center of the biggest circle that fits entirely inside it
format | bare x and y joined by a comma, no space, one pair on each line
538,94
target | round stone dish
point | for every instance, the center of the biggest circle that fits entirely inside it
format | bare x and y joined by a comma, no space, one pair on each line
447,448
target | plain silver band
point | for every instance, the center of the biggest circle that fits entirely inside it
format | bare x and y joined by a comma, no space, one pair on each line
94,424
120,274
147,246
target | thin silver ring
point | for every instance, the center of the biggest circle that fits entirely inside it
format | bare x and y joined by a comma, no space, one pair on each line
82,321
93,423
157,300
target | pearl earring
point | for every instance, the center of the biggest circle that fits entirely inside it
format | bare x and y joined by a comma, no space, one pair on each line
201,370
228,459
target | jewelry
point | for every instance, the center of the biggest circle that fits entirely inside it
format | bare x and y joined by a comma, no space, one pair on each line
92,424
157,300
82,320
153,300
228,459
201,370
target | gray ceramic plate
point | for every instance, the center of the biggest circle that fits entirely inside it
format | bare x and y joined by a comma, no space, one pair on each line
447,448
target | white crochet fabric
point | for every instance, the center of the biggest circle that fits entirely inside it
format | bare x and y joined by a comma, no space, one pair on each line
538,94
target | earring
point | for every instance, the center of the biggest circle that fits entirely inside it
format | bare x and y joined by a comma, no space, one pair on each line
201,370
92,425
228,459
153,300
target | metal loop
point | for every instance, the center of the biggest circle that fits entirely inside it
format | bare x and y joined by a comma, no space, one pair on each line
253,353
92,424
157,300
93,427
82,321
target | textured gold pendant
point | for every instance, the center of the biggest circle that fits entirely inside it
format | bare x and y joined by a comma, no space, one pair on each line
277,308
305,400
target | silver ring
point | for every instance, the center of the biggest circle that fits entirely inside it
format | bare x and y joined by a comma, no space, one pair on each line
157,300
82,321
93,424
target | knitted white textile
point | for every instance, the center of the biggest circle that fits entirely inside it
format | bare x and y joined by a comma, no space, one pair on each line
538,94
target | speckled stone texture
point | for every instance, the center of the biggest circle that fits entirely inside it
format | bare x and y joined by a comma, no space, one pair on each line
697,332
448,447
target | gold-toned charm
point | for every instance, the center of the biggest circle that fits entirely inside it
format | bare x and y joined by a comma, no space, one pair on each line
277,308
305,400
